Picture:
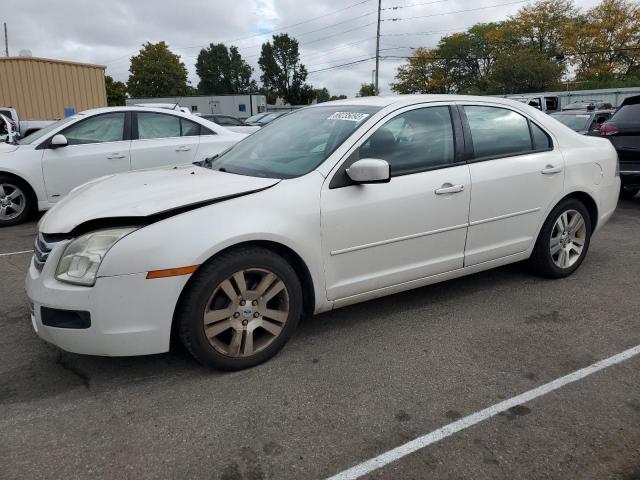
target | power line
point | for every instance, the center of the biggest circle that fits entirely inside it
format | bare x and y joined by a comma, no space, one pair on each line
265,32
398,7
566,54
420,33
342,65
351,58
456,11
299,23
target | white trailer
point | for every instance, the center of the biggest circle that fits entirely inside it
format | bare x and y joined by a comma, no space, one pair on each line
240,106
554,101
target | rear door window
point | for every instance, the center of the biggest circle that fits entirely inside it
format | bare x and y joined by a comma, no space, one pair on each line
628,114
189,128
497,132
157,125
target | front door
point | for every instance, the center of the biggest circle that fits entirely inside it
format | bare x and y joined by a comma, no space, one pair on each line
163,139
379,235
96,147
515,174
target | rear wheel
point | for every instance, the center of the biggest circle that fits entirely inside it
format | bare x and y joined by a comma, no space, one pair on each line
563,240
628,192
240,309
16,203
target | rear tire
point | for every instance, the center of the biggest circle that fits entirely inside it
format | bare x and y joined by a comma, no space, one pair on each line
628,193
563,241
240,309
16,201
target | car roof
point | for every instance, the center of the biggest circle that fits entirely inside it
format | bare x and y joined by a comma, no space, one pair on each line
135,108
402,100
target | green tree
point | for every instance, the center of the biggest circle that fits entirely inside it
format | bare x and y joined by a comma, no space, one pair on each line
423,74
545,25
606,41
156,72
321,95
224,71
367,90
525,70
116,92
282,71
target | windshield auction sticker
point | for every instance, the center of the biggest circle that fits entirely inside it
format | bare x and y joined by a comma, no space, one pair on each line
349,116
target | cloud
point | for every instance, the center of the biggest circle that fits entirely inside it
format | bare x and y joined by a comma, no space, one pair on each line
330,32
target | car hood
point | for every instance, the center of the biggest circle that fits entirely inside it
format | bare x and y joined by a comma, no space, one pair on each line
7,147
144,194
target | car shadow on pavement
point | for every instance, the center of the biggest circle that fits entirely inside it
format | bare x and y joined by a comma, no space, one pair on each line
51,371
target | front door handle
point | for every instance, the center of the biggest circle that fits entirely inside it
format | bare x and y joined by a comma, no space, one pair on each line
183,148
113,156
550,170
449,188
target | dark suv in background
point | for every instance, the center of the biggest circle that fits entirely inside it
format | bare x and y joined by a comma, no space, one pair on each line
623,129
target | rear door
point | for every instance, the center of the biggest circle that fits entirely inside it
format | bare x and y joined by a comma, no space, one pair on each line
515,174
97,146
162,139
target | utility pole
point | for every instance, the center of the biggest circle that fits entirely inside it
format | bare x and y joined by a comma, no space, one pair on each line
377,90
6,41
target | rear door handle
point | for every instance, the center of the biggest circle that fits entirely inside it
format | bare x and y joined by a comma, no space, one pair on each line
183,148
550,170
113,156
448,188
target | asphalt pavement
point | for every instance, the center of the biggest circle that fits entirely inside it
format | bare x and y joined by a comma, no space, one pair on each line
351,384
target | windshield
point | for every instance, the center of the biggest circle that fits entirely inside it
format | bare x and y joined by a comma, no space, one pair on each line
39,134
296,144
269,118
575,122
255,117
4,128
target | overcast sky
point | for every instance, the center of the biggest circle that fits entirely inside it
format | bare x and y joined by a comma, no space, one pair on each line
110,32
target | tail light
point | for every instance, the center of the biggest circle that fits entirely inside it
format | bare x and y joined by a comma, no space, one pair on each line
607,129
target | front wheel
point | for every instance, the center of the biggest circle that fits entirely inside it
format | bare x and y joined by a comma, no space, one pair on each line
16,204
240,309
563,240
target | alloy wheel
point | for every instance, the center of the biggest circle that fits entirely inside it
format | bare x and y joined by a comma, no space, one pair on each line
12,201
246,312
568,238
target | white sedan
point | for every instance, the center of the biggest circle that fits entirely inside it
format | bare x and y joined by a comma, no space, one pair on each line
38,170
336,204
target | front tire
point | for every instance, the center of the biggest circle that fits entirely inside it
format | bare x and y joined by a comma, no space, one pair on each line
240,309
16,202
563,241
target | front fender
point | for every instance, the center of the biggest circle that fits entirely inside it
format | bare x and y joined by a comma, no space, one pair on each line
287,214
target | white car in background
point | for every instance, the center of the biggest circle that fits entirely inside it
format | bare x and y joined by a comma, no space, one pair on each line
39,169
232,123
332,205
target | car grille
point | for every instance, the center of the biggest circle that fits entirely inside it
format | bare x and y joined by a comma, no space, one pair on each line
41,250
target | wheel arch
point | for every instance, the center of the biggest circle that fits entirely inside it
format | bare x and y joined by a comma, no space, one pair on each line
291,256
589,202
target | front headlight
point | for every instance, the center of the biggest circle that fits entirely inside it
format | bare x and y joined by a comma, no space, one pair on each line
81,259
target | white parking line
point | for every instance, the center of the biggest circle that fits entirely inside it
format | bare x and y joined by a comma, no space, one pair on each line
466,422
15,253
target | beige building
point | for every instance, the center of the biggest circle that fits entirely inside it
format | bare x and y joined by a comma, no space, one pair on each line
41,88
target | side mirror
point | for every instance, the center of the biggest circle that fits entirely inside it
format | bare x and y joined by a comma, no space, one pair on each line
369,170
58,141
